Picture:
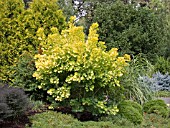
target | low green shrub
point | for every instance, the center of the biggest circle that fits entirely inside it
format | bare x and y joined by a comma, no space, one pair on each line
169,111
13,102
155,121
133,104
53,119
131,111
131,114
156,106
92,124
159,110
117,120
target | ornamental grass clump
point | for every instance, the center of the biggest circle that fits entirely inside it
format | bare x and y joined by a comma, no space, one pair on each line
77,72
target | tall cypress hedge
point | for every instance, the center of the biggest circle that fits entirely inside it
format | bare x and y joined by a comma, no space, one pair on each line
18,27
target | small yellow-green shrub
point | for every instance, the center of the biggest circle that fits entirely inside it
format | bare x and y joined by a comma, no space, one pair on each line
77,72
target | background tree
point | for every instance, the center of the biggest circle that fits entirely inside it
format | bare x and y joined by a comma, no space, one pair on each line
68,7
167,13
144,17
132,29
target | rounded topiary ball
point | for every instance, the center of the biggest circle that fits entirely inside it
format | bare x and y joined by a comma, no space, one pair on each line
156,106
131,111
133,104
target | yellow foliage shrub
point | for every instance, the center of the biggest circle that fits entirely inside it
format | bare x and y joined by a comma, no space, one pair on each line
79,71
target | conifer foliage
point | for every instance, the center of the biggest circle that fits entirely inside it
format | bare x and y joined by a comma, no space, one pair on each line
18,27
